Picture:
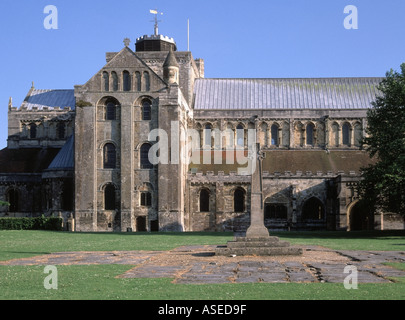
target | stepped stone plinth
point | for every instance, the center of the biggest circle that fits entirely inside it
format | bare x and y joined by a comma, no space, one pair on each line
264,246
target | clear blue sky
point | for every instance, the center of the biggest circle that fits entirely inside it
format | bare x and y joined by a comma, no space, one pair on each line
237,39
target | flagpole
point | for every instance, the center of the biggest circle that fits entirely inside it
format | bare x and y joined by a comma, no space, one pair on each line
188,34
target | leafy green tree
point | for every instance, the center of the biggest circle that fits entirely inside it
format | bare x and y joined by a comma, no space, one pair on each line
383,184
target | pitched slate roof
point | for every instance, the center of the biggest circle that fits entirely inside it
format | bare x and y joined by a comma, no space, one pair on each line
314,160
294,160
65,158
49,98
311,93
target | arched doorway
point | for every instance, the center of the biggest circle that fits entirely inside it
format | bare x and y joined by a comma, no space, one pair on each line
141,224
313,214
239,200
109,198
313,209
360,216
204,200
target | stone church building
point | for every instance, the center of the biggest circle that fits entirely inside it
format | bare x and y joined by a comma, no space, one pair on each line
84,153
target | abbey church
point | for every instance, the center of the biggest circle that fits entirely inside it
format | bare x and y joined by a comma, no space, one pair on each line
84,153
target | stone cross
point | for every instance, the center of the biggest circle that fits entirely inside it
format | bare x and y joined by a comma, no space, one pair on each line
127,42
257,228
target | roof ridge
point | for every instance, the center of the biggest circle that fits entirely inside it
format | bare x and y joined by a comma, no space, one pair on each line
53,90
300,78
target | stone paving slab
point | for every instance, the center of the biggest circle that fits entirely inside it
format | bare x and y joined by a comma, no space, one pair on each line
303,276
154,271
199,265
374,256
85,258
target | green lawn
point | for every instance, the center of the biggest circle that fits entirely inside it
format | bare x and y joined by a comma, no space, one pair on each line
100,282
21,244
339,240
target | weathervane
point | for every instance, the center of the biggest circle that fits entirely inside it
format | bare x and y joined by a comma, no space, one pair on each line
156,13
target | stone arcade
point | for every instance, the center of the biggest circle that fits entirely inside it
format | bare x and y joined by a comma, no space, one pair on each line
82,153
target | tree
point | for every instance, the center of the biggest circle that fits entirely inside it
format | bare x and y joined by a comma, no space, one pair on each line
383,183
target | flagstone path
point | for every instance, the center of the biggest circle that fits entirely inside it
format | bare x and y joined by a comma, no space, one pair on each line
199,265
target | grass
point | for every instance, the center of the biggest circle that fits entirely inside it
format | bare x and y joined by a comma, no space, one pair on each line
359,240
99,282
21,244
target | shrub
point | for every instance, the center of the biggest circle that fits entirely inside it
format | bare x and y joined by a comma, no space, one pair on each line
39,223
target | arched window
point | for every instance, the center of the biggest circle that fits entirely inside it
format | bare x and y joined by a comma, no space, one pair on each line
106,81
127,81
274,135
208,135
110,112
200,142
110,156
138,81
310,134
146,199
204,200
346,134
109,197
145,163
230,136
146,110
240,135
146,80
239,200
61,130
313,209
335,135
114,77
33,131
358,135
13,198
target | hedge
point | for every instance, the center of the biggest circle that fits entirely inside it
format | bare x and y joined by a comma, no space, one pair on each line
39,223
